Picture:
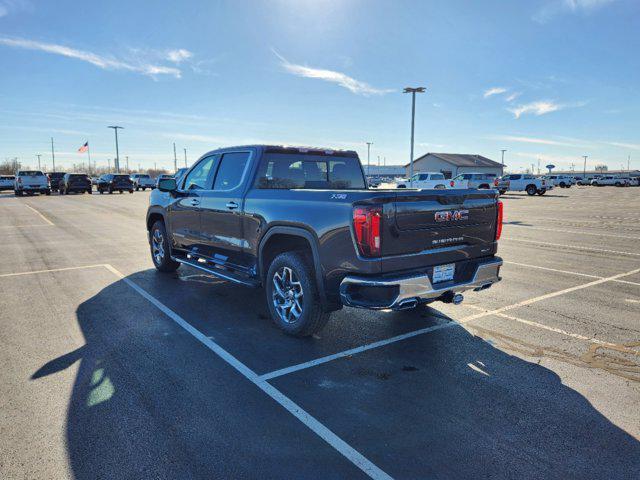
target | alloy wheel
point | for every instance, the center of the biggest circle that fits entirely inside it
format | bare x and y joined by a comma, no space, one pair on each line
287,295
157,246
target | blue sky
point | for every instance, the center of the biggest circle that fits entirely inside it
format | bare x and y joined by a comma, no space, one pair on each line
548,79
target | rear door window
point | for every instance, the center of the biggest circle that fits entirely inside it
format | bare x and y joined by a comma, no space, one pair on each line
231,170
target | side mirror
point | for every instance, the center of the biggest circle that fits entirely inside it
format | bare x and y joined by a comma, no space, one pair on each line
167,185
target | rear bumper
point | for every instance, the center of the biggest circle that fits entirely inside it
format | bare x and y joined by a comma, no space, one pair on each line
397,293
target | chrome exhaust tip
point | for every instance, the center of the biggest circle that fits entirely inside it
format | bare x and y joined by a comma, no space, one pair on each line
407,304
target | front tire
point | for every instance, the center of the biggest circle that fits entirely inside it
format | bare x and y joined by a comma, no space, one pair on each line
160,249
531,190
292,295
542,191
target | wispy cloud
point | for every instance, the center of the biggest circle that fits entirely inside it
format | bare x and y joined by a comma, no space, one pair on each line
538,108
100,61
535,140
494,91
630,146
556,8
511,97
355,86
179,55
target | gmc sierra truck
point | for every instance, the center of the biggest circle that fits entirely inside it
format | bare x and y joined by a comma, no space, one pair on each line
302,224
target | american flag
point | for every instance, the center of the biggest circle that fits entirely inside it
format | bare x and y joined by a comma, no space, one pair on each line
84,147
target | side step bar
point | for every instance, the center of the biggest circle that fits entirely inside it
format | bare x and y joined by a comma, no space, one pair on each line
225,275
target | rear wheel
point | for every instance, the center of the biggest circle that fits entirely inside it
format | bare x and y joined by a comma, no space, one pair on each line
531,190
160,249
292,295
542,191
502,192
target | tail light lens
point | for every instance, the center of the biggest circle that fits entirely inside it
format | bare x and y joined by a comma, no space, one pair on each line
19,180
495,182
499,221
367,224
452,183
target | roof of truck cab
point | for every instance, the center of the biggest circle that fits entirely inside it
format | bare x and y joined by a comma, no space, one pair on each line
288,149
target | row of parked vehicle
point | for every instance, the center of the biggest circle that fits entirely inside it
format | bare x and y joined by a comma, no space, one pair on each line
521,182
35,181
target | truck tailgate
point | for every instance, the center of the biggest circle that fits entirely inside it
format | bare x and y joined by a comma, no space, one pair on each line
422,223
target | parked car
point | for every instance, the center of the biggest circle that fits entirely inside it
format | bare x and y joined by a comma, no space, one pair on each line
584,180
608,180
524,182
75,183
562,181
631,181
424,181
54,180
162,176
7,182
142,181
473,180
30,182
303,224
501,184
112,182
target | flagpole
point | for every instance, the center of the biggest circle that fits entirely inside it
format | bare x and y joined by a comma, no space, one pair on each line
89,156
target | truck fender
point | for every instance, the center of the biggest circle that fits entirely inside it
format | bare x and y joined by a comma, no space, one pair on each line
296,232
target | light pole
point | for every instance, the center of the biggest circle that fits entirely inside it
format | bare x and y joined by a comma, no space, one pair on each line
117,161
503,150
127,160
53,156
369,157
584,170
175,158
413,92
185,157
38,155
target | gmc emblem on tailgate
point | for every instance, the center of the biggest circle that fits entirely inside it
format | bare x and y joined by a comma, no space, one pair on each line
452,215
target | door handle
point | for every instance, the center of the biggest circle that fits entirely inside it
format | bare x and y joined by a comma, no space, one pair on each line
232,205
195,202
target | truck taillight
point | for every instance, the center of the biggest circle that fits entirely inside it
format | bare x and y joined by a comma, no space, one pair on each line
452,183
367,223
495,182
19,180
499,221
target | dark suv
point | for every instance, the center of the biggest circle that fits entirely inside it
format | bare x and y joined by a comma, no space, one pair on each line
75,183
302,223
112,182
55,178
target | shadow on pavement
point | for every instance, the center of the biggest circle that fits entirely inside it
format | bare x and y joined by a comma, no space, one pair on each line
151,402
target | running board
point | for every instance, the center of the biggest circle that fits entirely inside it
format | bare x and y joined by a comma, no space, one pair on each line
249,282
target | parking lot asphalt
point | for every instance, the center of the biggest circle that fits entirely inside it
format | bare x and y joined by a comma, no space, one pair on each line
111,370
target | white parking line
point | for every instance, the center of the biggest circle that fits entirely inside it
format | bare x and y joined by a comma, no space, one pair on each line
51,270
353,351
558,230
573,247
39,214
312,423
546,327
568,272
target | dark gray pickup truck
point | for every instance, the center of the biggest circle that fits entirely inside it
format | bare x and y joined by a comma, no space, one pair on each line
302,223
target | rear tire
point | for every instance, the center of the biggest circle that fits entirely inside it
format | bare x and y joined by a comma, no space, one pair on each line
292,295
160,249
531,190
542,191
502,192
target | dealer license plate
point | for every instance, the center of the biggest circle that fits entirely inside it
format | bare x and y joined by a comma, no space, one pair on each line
443,273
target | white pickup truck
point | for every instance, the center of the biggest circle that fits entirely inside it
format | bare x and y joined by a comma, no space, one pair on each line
424,181
142,181
30,182
473,180
523,182
610,180
562,181
7,182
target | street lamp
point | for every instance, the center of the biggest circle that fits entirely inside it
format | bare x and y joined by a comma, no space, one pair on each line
413,92
503,150
117,160
369,158
584,171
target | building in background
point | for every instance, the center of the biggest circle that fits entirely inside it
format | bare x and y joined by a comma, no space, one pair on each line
391,171
452,164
